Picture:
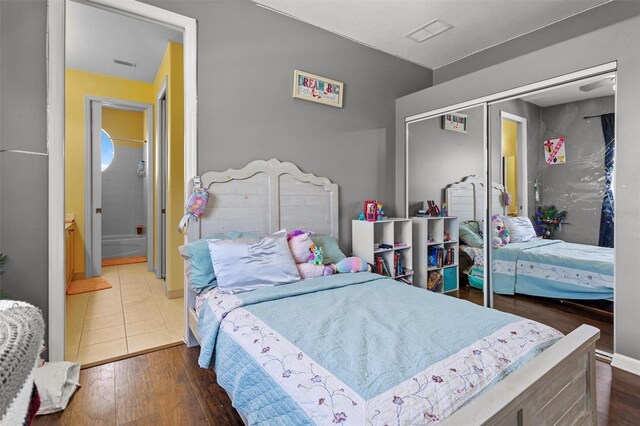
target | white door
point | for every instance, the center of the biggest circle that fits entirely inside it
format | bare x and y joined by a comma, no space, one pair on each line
96,191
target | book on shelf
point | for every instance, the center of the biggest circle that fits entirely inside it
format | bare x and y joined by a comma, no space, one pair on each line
381,266
435,257
434,281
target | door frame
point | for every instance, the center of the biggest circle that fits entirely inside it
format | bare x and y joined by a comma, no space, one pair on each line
160,178
521,153
56,136
124,105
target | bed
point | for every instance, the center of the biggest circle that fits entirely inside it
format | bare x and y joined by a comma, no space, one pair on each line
544,268
362,349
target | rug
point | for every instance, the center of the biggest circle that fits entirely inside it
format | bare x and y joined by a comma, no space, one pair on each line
123,261
87,285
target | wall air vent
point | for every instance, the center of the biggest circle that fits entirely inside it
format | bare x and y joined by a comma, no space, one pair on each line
429,30
125,63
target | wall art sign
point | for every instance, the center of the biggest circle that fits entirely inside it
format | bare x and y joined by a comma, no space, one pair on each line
311,87
455,122
554,151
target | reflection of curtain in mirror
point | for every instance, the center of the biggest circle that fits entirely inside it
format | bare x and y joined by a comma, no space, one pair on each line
510,162
606,219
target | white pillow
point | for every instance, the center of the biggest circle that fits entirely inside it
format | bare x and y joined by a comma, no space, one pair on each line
244,264
520,229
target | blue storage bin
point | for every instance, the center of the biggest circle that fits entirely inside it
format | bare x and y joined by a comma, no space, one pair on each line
476,278
451,278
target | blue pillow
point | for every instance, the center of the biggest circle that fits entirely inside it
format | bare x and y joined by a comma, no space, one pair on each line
199,268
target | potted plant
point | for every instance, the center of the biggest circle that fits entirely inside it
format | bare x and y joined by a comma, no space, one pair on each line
548,220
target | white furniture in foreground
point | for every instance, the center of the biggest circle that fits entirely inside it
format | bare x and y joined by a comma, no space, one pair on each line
395,232
556,387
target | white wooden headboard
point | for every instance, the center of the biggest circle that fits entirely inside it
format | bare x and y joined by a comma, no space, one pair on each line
466,199
265,196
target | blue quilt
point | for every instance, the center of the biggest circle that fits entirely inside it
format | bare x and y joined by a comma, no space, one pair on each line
358,349
554,268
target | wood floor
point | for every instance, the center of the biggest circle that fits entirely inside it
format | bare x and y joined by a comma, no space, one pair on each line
168,388
562,317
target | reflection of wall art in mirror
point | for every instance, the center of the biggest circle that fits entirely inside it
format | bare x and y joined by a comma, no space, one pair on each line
455,122
554,151
314,88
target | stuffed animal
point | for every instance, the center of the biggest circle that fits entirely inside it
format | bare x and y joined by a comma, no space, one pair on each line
352,264
500,233
306,259
315,257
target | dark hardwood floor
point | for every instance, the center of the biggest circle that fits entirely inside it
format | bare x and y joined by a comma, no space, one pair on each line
563,317
168,388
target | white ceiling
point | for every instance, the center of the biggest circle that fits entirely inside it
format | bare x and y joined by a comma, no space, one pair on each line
572,92
477,24
95,37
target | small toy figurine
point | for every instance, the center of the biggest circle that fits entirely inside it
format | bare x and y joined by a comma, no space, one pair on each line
379,213
315,255
443,210
361,216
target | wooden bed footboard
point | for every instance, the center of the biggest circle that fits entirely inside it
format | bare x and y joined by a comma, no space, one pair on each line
558,387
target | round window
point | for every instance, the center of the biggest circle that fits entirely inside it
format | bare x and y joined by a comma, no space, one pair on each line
107,150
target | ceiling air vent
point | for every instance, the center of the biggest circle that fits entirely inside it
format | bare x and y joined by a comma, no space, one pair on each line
125,63
431,29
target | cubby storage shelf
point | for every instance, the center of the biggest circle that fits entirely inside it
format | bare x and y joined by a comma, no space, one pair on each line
389,231
430,233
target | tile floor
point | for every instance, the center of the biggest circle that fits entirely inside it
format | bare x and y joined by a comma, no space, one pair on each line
133,316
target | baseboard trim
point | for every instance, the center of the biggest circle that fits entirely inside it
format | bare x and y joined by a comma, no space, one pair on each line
174,294
626,363
77,276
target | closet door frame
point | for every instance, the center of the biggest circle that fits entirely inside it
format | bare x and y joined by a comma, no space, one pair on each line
485,102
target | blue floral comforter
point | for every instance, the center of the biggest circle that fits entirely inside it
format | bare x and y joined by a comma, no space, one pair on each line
358,349
554,268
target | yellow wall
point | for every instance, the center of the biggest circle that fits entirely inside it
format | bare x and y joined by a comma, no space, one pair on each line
79,84
124,124
510,152
171,68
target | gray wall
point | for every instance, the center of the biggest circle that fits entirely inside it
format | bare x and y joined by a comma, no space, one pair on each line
122,194
246,58
23,125
578,185
440,157
532,113
602,45
575,26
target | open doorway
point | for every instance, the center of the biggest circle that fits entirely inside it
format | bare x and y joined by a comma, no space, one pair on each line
116,306
514,162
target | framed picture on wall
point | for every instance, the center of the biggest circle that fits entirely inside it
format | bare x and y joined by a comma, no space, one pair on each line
455,122
314,88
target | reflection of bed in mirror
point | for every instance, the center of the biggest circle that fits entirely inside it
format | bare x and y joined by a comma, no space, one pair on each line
539,267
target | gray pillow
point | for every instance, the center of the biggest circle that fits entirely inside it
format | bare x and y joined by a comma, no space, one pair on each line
244,264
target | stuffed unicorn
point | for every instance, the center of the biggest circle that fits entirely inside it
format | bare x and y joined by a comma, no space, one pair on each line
500,233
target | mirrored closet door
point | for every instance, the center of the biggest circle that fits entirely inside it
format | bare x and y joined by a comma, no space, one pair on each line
446,199
552,233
